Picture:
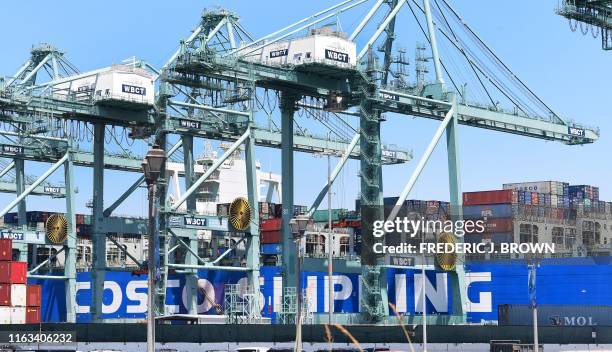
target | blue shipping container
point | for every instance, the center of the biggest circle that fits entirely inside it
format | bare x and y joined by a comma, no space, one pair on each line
271,248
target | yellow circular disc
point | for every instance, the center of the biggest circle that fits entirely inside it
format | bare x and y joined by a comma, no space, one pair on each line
446,261
240,214
57,228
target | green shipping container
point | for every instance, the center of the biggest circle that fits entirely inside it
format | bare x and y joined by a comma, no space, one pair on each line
321,215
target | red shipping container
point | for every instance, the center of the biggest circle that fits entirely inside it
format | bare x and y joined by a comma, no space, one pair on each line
13,272
489,197
5,295
33,295
6,249
271,224
270,237
32,315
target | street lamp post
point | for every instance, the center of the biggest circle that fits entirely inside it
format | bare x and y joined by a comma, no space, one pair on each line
151,167
298,227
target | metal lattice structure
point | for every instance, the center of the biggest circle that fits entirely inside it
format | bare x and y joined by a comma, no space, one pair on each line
212,88
288,311
241,305
593,14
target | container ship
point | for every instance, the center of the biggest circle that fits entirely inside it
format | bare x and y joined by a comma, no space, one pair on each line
573,281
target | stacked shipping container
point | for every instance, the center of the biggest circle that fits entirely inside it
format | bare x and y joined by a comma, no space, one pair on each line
266,210
36,220
496,208
19,302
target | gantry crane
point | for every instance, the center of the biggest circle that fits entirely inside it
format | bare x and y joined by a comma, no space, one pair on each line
210,88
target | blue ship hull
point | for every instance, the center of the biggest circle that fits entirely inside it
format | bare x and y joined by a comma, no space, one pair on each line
568,281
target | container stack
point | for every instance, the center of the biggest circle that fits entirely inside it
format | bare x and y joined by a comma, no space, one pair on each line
540,200
497,209
19,302
37,219
270,231
271,240
266,210
551,194
585,199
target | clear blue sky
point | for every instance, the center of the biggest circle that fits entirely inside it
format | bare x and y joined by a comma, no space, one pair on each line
569,71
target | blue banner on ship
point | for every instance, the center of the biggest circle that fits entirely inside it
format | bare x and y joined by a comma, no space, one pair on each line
488,285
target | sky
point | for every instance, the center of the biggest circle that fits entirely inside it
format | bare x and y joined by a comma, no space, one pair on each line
567,70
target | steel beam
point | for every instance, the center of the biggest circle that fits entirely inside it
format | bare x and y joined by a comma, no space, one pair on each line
34,71
19,73
191,258
287,108
20,188
365,20
7,168
108,211
70,245
419,168
434,43
9,187
98,236
373,302
188,41
33,186
458,287
210,170
252,245
333,175
380,29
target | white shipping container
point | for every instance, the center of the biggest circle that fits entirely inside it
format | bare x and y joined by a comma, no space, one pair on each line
554,199
18,295
5,315
550,187
18,315
118,82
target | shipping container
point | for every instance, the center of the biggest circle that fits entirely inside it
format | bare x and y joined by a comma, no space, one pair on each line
555,315
6,249
13,272
498,225
323,215
271,224
18,315
489,197
33,295
497,238
18,295
271,248
551,187
10,218
32,315
5,294
299,210
5,315
271,237
502,237
278,210
488,211
223,209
